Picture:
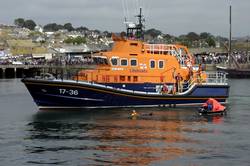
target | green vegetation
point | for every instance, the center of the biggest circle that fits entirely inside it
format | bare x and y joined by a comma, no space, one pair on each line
20,22
69,27
20,43
21,47
82,29
241,45
28,50
191,39
210,41
53,27
76,41
153,32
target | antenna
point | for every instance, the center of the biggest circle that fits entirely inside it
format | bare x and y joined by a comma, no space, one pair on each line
230,34
136,31
125,22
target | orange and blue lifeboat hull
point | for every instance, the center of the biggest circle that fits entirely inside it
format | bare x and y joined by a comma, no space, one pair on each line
72,94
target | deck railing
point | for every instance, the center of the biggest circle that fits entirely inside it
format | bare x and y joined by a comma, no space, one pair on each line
168,49
212,78
216,78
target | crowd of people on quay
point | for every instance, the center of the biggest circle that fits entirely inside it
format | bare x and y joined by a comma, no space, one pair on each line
20,60
55,61
221,58
202,58
58,61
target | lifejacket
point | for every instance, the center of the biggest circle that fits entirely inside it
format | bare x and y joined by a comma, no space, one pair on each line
188,63
165,88
162,78
179,78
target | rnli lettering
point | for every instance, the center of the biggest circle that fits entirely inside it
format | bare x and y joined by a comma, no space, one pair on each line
138,71
115,69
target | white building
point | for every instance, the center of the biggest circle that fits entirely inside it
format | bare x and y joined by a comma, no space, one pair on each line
48,34
45,56
39,28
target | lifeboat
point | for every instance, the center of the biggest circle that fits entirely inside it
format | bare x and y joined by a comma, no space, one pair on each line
133,73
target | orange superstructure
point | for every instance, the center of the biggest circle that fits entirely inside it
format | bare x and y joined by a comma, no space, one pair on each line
133,61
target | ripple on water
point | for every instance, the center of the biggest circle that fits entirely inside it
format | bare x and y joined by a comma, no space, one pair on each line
108,137
119,141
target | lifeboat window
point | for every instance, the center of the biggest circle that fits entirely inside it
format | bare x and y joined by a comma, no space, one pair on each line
99,60
152,64
133,44
122,78
115,78
133,62
129,78
114,61
124,62
160,64
135,78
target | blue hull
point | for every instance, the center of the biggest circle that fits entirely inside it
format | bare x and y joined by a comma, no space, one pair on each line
50,93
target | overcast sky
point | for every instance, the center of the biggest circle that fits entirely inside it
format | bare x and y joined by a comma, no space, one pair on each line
175,17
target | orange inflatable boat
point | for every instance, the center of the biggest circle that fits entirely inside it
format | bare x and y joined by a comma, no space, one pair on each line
212,106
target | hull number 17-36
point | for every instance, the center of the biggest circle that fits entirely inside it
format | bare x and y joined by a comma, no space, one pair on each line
70,92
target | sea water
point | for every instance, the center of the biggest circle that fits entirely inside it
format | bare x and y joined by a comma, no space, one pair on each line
168,136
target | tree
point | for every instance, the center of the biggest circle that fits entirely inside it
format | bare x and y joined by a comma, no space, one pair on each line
186,43
193,36
167,36
68,40
153,32
108,34
49,27
78,40
97,31
210,41
68,26
204,35
81,29
52,27
19,22
59,26
30,24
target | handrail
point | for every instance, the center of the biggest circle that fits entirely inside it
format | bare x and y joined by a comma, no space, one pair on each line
85,66
212,78
167,70
166,48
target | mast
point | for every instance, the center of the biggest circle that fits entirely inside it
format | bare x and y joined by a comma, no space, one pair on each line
136,31
232,59
140,33
230,35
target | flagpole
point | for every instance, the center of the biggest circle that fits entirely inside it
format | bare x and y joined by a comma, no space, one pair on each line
230,33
